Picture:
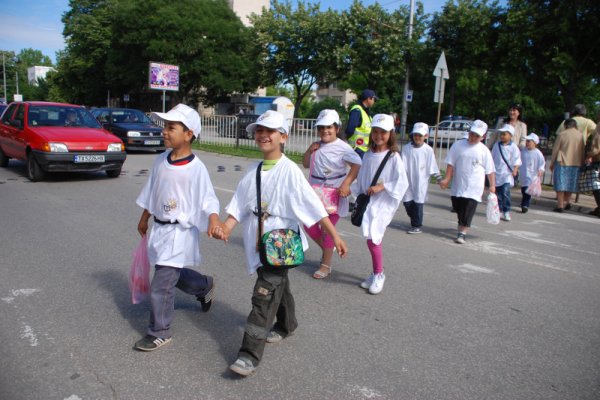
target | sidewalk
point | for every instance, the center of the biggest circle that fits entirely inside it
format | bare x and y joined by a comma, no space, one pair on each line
584,205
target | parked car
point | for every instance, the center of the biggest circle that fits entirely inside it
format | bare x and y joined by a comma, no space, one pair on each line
58,137
450,131
137,131
2,108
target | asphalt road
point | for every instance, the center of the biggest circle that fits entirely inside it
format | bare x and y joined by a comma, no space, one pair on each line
513,314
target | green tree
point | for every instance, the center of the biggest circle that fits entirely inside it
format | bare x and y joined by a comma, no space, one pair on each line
208,42
300,46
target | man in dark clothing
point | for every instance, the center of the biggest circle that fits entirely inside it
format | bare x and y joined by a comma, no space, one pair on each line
359,122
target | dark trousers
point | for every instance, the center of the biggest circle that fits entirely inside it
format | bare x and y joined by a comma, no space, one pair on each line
162,295
271,298
415,212
503,193
465,209
526,199
597,198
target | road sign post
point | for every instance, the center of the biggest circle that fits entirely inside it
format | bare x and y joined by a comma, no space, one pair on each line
441,73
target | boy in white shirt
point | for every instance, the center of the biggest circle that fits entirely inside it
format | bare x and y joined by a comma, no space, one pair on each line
180,197
533,166
469,162
420,164
287,200
507,160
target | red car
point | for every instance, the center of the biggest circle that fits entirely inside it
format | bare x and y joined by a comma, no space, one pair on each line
58,137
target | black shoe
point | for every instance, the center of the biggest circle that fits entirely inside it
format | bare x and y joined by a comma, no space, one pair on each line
558,210
149,343
207,299
524,210
568,206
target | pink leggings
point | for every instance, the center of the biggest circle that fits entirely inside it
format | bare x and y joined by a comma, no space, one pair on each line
316,233
376,256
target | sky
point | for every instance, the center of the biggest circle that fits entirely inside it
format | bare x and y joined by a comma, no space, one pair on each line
37,24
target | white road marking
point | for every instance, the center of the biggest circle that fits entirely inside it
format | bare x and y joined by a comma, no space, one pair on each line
365,392
24,292
30,335
470,268
567,215
73,397
223,189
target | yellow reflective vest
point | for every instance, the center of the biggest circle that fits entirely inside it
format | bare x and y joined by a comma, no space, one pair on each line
360,138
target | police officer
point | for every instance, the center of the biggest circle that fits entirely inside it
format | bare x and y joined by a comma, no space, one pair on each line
359,122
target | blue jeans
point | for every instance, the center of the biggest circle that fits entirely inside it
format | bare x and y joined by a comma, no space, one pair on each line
415,212
503,193
162,295
526,197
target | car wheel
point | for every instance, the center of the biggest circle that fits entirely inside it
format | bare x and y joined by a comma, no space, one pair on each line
34,171
113,173
3,159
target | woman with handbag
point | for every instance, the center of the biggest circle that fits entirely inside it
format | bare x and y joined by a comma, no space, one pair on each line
333,166
384,193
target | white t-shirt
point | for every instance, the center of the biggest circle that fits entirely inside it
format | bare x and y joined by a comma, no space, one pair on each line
420,165
182,193
287,197
471,163
513,156
383,205
533,163
330,162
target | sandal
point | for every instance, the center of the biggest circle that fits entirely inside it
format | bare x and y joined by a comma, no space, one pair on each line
320,274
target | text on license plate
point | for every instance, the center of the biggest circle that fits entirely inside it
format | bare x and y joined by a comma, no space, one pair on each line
85,159
151,142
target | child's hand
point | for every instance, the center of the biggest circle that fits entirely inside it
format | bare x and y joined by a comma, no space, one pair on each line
342,248
444,183
375,189
314,147
215,230
344,190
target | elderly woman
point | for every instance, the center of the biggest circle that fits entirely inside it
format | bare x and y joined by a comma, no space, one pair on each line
585,125
593,158
567,157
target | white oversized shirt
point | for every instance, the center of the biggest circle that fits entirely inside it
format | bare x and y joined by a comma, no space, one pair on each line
182,193
383,205
513,157
471,163
420,165
534,163
330,162
287,197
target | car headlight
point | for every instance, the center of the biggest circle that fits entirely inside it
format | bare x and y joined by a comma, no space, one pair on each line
133,134
115,147
56,147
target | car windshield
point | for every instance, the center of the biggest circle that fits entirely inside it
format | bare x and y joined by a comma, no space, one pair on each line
61,116
130,117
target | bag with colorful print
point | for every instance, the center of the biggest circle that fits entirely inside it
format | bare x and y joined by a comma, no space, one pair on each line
279,248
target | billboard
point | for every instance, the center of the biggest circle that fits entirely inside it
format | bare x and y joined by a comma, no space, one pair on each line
163,76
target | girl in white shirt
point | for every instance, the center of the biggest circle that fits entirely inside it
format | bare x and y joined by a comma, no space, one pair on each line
333,164
385,195
533,166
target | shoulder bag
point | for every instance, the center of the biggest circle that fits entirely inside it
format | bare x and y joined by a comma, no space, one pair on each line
362,201
330,197
279,248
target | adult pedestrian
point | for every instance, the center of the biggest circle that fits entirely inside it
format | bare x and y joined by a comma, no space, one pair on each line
567,157
584,125
514,119
359,122
593,158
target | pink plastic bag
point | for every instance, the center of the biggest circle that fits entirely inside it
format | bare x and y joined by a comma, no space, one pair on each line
535,188
492,211
139,275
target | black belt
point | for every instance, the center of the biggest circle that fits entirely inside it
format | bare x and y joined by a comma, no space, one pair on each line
158,221
324,179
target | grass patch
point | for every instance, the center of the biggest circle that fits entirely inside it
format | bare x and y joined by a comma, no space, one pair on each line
241,151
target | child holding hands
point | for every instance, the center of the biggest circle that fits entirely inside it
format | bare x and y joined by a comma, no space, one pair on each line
180,197
286,199
333,164
385,195
533,166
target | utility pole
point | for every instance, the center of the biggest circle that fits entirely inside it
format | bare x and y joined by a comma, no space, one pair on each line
406,80
4,76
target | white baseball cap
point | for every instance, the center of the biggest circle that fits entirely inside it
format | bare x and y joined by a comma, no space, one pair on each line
383,121
421,128
270,119
479,127
533,137
507,128
328,117
184,114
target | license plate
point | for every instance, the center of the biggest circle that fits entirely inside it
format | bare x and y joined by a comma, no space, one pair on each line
88,159
151,142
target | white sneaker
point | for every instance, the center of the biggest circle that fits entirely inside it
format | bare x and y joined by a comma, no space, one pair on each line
506,216
377,285
367,282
